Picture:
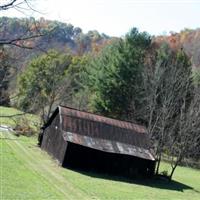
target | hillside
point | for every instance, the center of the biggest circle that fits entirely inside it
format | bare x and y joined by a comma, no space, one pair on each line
56,35
24,32
29,173
65,37
188,40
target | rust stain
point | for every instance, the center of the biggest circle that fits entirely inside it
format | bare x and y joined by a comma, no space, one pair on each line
97,118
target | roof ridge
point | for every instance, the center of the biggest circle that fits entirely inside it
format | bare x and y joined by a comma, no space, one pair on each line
96,114
102,119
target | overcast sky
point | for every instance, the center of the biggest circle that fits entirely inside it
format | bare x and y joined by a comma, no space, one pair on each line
116,17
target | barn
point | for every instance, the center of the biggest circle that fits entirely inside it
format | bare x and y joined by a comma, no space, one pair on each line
88,141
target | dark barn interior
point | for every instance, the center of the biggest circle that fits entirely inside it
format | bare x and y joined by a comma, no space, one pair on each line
85,141
92,160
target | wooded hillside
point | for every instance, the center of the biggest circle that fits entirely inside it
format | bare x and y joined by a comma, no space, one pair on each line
139,78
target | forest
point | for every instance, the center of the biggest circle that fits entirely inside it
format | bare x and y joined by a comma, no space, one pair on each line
154,81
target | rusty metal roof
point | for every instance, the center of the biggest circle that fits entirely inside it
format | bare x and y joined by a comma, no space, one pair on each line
108,145
103,133
66,111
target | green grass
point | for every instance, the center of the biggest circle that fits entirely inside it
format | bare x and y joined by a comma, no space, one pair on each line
15,118
29,173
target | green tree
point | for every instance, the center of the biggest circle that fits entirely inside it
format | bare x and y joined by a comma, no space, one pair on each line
117,76
78,75
5,75
43,84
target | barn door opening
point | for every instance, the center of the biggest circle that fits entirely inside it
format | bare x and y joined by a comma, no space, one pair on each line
87,159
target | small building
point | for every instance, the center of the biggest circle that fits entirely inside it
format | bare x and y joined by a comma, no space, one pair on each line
88,141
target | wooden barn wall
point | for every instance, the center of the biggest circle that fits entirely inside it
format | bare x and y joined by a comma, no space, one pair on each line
53,141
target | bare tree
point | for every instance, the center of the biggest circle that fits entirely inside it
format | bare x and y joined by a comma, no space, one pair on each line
28,34
7,4
22,6
169,87
184,139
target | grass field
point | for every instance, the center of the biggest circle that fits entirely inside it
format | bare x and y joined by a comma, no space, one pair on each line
16,115
29,173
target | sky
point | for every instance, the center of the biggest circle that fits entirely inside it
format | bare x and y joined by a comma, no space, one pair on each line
117,17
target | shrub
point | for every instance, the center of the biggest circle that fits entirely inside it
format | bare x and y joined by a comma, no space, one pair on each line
24,127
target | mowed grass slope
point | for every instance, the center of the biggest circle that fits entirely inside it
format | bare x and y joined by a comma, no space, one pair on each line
16,115
29,173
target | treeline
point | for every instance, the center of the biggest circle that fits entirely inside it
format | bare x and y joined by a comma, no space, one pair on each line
55,34
129,79
187,39
62,36
23,39
138,78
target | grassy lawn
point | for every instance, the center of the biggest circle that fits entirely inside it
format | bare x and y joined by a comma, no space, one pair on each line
29,173
16,116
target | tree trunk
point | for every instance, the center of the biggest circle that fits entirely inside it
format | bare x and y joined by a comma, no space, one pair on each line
172,172
158,163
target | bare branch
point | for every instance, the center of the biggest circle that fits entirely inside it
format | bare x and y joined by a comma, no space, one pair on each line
8,5
15,41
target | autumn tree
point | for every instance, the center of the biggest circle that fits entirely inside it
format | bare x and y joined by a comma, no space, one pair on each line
21,6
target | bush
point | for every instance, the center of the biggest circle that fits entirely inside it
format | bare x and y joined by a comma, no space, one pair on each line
164,173
24,127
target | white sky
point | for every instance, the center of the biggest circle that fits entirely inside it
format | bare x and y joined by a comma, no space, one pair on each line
116,17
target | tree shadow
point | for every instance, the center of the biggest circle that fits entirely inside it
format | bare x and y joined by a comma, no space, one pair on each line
154,181
115,167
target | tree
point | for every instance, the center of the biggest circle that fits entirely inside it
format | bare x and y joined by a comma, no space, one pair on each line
21,6
5,74
78,75
18,41
184,141
42,85
169,90
117,76
185,138
18,33
5,5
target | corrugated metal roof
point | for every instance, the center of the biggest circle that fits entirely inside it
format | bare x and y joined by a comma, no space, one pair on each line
97,118
108,145
104,133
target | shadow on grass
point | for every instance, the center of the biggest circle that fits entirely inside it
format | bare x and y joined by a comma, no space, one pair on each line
154,182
